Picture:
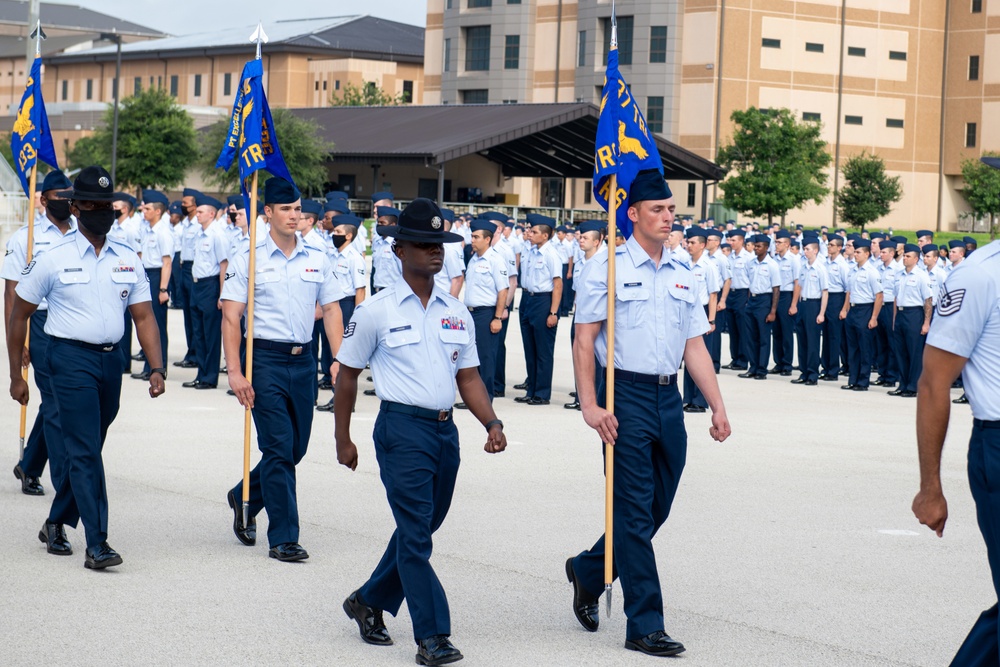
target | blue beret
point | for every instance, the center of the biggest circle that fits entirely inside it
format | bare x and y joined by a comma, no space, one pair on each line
202,199
713,232
648,186
810,240
800,227
911,247
55,180
696,232
676,227
730,222
236,200
969,239
335,194
898,239
783,234
862,243
494,215
448,214
154,197
279,191
876,235
509,223
726,246
539,219
761,238
794,243
483,225
592,226
190,192
925,232
378,196
382,211
930,247
338,205
854,237
736,232
618,232
347,219
176,208
956,243
313,207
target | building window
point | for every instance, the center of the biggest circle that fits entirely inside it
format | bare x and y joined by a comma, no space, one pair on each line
407,91
895,123
977,6
813,47
150,82
90,89
973,68
654,113
336,84
227,84
970,135
581,49
691,195
510,101
324,85
448,4
856,51
512,52
65,89
626,25
137,85
513,2
480,3
197,85
315,86
768,43
810,116
658,44
477,49
853,120
159,83
475,96
447,55
897,55
173,85
588,191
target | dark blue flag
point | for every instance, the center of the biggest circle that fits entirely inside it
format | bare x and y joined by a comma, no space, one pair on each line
251,138
31,139
625,145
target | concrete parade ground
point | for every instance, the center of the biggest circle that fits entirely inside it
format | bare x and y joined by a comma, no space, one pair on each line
790,544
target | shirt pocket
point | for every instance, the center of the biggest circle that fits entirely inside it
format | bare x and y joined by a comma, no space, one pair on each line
633,306
402,335
310,290
124,277
266,286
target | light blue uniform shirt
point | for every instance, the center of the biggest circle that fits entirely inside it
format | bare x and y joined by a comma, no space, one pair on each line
789,266
414,353
286,289
451,268
888,275
967,323
764,276
87,293
723,265
656,310
47,236
156,244
738,263
913,288
190,229
864,284
936,276
507,254
388,269
350,268
836,274
124,235
485,277
813,279
707,280
209,253
539,268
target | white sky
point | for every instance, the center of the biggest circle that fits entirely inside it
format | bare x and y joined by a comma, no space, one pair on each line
182,17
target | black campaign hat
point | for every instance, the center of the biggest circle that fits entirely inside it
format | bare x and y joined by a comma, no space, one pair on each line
91,184
421,221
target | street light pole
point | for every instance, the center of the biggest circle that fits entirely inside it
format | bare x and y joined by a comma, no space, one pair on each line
117,39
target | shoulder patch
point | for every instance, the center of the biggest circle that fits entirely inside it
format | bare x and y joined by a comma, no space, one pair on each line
950,302
29,267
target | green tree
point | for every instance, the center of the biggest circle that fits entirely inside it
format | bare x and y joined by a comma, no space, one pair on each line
366,95
982,189
304,150
869,192
156,142
779,163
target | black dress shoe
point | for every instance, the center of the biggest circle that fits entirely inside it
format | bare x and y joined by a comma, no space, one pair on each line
205,385
585,605
799,381
961,400
858,387
289,552
735,367
101,556
140,376
54,537
461,406
369,378
691,407
829,378
326,407
30,486
230,392
810,383
748,374
895,392
572,394
773,370
575,405
760,376
369,620
184,363
908,394
139,357
657,643
245,534
538,401
522,399
437,650
785,374
325,384
193,384
369,392
499,394
848,387
521,387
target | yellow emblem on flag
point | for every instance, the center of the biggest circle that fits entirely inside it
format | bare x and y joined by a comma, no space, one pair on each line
627,144
22,124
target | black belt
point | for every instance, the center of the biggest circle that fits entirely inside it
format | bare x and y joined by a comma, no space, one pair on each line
644,378
754,296
858,305
187,262
808,300
902,308
536,293
414,411
215,278
96,347
476,309
293,349
981,423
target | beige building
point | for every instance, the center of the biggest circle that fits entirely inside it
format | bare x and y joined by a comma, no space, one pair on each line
871,72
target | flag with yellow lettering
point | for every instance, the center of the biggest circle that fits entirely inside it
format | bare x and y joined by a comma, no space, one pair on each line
625,145
252,140
31,139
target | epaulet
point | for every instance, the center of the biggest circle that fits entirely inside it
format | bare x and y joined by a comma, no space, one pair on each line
680,262
118,242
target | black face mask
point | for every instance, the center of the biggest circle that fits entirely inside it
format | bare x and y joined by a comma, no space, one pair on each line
232,217
58,209
98,222
119,212
339,239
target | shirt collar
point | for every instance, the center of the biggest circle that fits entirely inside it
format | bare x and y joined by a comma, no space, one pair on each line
640,256
82,245
272,247
403,291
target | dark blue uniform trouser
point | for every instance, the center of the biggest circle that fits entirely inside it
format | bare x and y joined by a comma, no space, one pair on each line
809,339
860,341
346,312
283,413
159,312
36,452
981,646
784,329
90,384
714,341
207,325
692,394
125,344
486,344
175,279
500,372
539,343
833,334
186,299
736,307
649,457
758,339
418,461
885,345
909,346
568,294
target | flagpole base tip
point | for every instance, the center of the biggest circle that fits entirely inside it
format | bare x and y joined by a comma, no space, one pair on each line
607,600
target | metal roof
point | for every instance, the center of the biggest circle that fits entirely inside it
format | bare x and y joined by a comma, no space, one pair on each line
533,140
353,36
72,17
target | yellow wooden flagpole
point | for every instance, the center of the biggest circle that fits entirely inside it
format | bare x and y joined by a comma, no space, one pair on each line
251,284
32,184
609,450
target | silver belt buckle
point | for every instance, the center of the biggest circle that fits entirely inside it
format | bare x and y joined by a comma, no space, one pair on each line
107,348
296,350
444,415
664,380
194,279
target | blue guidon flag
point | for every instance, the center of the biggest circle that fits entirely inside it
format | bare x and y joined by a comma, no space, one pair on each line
31,139
251,138
625,145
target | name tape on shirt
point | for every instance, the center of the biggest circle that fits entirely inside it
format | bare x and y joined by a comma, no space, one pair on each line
950,302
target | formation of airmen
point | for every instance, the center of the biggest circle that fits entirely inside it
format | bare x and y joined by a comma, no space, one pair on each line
430,317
